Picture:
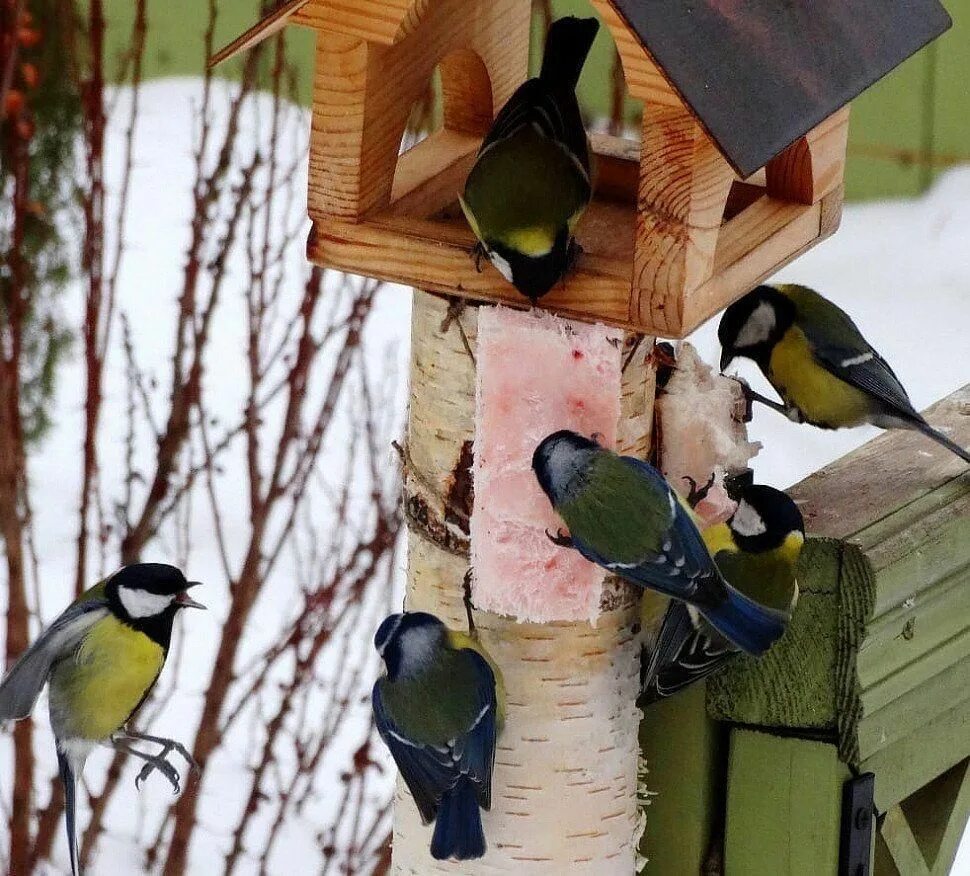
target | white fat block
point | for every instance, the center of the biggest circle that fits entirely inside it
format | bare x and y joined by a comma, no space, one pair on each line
702,432
537,373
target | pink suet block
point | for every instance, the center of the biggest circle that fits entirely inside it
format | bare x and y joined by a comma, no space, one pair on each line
537,374
702,432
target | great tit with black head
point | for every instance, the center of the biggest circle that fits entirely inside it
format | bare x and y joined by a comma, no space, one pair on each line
102,657
532,180
756,551
817,360
623,516
439,708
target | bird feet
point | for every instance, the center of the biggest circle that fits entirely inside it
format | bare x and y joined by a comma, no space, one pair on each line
469,605
479,254
560,539
697,494
157,761
751,396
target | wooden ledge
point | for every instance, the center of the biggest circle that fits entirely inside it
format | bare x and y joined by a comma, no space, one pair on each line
422,240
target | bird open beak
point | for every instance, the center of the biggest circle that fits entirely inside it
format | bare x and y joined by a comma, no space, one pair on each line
727,357
183,600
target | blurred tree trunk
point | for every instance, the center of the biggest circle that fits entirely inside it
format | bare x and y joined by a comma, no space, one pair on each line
14,292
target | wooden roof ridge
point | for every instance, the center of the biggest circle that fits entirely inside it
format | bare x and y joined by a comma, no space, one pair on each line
270,24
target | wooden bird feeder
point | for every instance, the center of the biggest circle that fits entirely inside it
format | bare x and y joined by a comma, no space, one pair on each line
738,169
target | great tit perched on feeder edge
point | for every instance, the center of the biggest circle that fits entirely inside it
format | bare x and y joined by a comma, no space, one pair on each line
439,709
817,360
623,515
532,180
102,657
756,551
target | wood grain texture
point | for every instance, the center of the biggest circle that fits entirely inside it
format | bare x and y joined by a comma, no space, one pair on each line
684,187
917,466
645,81
377,21
814,165
364,90
923,832
565,776
264,29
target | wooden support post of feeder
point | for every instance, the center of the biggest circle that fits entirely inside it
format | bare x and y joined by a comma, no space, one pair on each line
738,171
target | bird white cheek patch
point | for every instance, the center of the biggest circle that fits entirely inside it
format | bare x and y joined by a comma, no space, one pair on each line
537,374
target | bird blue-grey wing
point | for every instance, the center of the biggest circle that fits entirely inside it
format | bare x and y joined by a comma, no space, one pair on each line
683,568
866,370
429,771
22,686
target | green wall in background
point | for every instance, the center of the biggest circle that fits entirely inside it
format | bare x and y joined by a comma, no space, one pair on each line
905,129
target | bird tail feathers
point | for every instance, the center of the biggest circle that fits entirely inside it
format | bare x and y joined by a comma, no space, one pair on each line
753,627
69,780
567,47
458,830
940,438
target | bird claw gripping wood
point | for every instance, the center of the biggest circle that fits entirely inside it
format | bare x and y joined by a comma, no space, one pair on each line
697,494
479,254
560,539
663,358
469,605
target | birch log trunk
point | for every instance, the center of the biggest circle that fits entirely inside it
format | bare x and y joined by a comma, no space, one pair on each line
564,788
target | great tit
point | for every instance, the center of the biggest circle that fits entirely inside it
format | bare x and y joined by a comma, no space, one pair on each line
101,657
624,516
531,180
817,360
756,551
439,708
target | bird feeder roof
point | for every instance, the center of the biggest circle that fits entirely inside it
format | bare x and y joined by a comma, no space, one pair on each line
759,74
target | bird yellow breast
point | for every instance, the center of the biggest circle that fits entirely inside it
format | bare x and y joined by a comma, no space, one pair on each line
822,398
112,670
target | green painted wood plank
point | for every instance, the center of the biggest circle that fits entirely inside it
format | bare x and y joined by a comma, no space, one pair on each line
921,700
908,764
949,843
685,752
902,845
784,806
936,814
917,625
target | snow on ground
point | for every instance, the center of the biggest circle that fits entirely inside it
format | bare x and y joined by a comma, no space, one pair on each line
902,268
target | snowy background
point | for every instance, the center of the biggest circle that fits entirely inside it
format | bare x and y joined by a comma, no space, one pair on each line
902,269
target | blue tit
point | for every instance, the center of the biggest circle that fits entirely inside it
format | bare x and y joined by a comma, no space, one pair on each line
439,708
101,658
624,516
756,551
531,180
817,360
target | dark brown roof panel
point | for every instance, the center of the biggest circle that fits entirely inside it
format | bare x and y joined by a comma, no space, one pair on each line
759,74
